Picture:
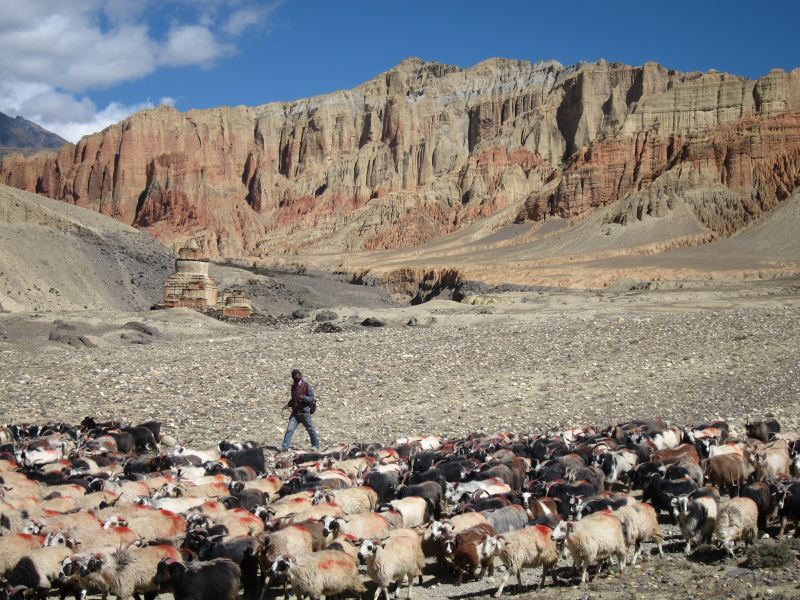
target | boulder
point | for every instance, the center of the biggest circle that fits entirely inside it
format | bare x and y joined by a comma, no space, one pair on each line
373,322
328,327
301,313
325,315
142,328
421,322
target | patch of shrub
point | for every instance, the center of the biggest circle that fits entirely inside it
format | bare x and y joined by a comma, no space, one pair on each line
770,554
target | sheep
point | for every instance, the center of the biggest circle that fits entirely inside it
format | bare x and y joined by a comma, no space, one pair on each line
214,489
95,500
217,579
147,522
175,505
354,467
364,525
238,521
327,573
413,509
527,547
617,465
13,547
393,560
353,500
295,540
82,521
321,510
203,456
296,503
696,517
113,536
760,493
640,524
593,539
348,544
123,572
39,569
737,520
269,485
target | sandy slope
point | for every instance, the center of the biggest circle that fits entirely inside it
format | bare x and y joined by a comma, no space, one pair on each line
54,256
595,252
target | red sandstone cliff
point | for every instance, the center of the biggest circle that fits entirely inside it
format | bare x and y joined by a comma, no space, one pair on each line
425,148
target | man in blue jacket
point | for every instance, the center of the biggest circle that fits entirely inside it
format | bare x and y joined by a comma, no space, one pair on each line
302,404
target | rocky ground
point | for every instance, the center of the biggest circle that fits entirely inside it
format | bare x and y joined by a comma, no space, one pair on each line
519,362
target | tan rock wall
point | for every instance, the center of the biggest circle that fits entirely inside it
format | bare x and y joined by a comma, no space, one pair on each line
426,149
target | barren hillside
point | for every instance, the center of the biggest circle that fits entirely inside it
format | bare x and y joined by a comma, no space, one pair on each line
54,256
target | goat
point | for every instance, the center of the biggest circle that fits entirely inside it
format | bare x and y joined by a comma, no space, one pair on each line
217,579
763,430
469,553
507,518
429,491
696,517
728,472
789,508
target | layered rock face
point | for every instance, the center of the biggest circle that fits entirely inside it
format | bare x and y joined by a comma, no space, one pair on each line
425,149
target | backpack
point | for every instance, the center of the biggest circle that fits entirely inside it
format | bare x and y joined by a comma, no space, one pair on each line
311,404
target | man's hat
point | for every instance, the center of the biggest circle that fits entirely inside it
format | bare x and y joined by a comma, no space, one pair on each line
296,372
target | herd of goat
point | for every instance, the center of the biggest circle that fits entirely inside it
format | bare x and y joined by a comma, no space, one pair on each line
103,508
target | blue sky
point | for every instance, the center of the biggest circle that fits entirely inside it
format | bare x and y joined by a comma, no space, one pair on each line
80,65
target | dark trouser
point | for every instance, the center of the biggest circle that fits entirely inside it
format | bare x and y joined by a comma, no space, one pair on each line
303,418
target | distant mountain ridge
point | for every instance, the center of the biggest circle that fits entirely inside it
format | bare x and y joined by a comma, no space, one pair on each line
425,149
19,135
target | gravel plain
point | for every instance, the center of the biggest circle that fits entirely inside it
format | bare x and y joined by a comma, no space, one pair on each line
518,362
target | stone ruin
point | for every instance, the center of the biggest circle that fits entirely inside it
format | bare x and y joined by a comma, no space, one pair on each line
237,305
190,286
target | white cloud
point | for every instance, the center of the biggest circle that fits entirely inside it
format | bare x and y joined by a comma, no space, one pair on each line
55,52
248,17
51,105
73,130
192,45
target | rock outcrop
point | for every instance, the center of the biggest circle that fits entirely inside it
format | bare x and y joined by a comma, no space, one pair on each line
425,149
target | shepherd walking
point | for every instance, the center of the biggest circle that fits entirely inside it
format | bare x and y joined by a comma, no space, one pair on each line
302,404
